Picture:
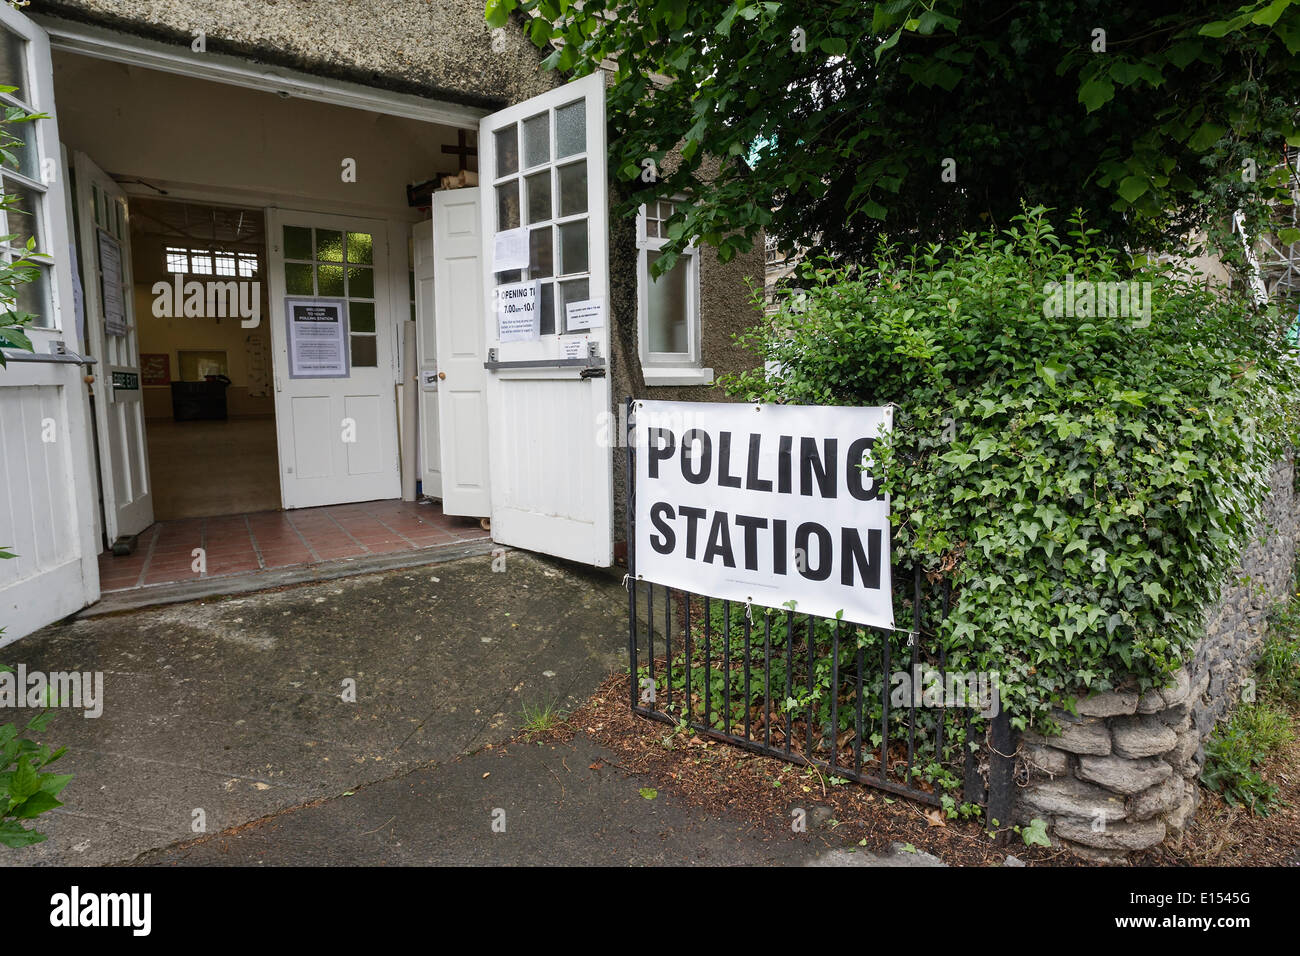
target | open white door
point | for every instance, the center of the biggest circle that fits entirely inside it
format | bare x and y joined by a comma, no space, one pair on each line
47,486
426,360
336,417
112,337
543,170
455,367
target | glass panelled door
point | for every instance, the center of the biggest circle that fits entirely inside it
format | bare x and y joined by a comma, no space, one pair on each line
545,228
332,337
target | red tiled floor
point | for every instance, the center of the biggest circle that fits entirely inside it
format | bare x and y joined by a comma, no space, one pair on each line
235,544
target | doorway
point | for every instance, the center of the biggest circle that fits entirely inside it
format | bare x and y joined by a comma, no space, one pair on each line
205,357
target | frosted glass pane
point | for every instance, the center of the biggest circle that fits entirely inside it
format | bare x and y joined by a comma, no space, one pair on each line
573,247
537,140
539,196
507,143
573,189
571,129
667,302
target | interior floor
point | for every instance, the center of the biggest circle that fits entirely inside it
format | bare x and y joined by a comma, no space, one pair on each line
202,468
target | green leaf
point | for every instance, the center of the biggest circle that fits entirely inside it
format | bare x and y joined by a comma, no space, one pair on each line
498,12
649,793
1096,92
1132,187
1205,137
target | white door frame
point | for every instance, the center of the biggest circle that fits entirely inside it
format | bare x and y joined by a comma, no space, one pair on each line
551,475
387,483
115,414
41,588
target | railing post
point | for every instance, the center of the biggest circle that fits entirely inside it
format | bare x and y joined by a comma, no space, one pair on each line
1002,772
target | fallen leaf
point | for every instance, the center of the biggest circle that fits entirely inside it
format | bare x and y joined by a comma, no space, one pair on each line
649,792
935,818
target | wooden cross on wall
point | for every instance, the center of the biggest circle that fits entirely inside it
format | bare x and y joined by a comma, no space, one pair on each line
462,149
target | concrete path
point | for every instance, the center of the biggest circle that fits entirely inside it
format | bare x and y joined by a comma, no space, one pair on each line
230,711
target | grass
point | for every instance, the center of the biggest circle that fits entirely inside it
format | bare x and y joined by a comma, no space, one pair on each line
541,718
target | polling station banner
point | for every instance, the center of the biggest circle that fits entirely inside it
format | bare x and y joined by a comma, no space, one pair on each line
764,504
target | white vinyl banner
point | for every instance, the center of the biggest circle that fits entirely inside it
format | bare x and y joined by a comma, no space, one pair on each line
764,504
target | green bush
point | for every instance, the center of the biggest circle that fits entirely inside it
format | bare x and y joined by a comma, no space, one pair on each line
1234,753
1083,482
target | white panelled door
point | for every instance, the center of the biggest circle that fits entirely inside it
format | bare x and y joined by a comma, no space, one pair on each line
542,169
337,436
47,486
460,351
426,361
112,336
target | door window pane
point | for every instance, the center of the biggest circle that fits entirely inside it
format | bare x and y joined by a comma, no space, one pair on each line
22,213
539,196
573,189
329,280
13,63
329,245
297,278
361,316
573,247
667,302
508,206
34,297
507,143
540,255
361,283
361,248
571,129
546,322
575,290
364,352
22,155
297,242
537,140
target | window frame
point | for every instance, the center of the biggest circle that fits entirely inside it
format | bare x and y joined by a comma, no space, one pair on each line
668,368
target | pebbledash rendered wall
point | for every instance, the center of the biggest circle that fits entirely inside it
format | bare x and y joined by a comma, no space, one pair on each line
1122,776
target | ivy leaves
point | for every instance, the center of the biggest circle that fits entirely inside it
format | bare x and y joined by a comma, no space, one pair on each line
1084,483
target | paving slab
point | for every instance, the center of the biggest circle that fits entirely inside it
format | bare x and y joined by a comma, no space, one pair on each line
236,707
525,805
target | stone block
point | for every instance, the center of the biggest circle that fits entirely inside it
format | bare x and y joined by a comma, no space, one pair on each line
1122,774
1144,736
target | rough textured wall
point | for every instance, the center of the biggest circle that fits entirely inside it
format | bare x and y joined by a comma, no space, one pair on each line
725,310
1123,775
437,48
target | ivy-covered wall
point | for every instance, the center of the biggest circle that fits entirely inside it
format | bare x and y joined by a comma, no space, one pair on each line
1122,775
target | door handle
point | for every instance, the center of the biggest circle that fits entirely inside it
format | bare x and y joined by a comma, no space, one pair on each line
442,375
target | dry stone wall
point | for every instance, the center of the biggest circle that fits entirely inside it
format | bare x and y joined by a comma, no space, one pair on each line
1122,774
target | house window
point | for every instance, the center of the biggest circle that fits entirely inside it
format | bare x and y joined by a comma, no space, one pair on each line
21,181
668,307
208,262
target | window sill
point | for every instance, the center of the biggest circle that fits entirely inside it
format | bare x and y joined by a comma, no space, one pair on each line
677,376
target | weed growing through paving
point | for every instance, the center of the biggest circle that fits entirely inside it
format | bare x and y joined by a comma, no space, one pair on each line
541,718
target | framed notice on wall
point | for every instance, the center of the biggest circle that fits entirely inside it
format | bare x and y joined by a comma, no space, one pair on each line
111,283
317,337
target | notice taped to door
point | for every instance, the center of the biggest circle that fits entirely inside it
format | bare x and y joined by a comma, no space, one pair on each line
317,337
518,312
765,504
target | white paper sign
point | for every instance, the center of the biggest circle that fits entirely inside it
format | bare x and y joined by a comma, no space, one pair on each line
110,270
429,379
575,348
318,337
518,312
764,504
510,250
585,314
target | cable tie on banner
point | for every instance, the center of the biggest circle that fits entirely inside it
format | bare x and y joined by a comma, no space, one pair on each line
627,582
749,610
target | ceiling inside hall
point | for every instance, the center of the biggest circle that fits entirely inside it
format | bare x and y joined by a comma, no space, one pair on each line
189,224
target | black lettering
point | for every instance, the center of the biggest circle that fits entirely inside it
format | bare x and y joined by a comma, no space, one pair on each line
752,481
852,555
784,465
725,478
692,516
659,452
706,453
853,473
778,546
719,541
667,540
801,536
751,526
823,466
